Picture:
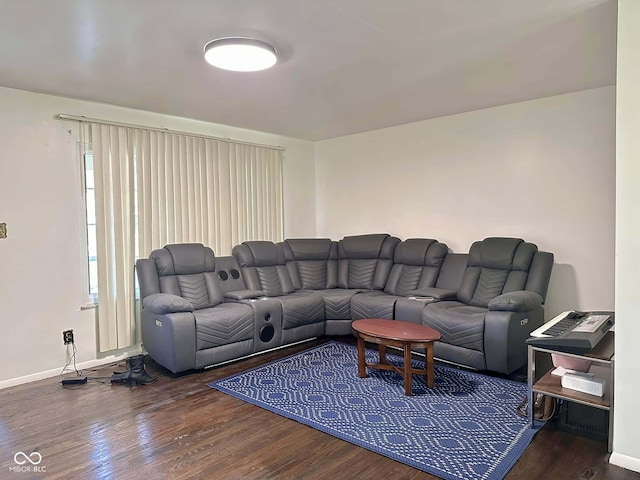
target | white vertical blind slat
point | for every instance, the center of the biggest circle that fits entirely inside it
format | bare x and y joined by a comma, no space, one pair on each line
209,221
106,330
224,210
199,200
182,202
126,320
168,187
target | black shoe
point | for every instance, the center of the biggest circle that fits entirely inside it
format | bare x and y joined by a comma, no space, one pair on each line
136,375
120,377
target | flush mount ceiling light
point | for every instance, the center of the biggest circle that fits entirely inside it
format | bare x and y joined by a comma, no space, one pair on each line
240,54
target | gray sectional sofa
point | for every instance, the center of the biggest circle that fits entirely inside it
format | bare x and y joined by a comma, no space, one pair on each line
200,310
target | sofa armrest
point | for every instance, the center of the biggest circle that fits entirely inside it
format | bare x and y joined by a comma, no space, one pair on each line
170,339
518,301
163,303
243,294
505,335
435,293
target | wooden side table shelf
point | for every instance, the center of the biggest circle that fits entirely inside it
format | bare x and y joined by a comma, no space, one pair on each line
602,358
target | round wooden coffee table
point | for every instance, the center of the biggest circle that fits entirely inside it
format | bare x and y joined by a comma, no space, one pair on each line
395,333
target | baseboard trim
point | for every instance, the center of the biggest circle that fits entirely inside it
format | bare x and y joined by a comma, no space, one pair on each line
625,461
281,347
12,382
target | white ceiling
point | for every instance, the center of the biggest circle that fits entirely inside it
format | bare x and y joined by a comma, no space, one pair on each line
345,66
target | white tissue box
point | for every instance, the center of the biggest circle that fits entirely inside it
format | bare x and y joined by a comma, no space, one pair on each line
584,384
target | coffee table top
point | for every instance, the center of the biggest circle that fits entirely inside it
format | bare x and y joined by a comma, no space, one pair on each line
395,330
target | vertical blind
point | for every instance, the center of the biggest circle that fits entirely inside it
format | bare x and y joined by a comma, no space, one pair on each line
153,188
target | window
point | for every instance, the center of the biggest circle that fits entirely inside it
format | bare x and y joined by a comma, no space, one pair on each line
92,249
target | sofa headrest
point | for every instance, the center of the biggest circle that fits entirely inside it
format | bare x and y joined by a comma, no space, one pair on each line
420,252
258,253
183,259
375,245
502,253
310,249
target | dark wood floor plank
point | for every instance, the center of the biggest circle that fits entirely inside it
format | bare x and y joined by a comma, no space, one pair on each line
178,428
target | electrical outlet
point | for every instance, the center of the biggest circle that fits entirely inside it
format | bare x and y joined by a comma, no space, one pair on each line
67,336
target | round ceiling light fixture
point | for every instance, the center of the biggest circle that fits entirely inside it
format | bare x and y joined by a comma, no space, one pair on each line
240,54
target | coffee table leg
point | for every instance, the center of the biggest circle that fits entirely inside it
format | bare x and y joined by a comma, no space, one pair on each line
362,370
382,353
429,366
407,369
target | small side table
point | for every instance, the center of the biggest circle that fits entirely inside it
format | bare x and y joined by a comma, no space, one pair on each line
395,333
602,355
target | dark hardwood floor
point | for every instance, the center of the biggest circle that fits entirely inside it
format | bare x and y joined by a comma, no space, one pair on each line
179,428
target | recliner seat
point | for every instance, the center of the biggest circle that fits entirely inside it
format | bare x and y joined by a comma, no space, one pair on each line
263,269
339,270
416,266
185,324
364,264
313,265
499,302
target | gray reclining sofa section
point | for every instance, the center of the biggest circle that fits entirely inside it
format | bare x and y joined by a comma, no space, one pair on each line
200,310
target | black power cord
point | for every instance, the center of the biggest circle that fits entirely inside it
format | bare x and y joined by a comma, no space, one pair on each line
72,359
80,380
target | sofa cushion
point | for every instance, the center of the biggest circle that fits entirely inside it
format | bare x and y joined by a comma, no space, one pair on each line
337,302
366,246
423,252
188,270
309,249
495,266
459,324
183,259
269,280
373,305
191,258
313,274
224,324
260,254
301,308
519,301
312,262
163,303
364,261
416,265
263,267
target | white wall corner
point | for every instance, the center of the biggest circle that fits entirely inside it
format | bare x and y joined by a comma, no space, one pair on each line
625,461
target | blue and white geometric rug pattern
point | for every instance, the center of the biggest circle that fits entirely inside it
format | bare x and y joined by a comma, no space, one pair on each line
466,427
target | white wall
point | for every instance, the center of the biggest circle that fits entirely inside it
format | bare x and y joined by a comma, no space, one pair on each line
542,170
41,263
627,363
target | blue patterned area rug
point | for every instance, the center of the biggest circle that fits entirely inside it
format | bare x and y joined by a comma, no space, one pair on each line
466,427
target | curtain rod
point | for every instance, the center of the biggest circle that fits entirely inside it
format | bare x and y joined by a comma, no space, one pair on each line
82,118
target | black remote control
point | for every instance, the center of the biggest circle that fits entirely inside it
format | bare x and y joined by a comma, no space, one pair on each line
74,381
